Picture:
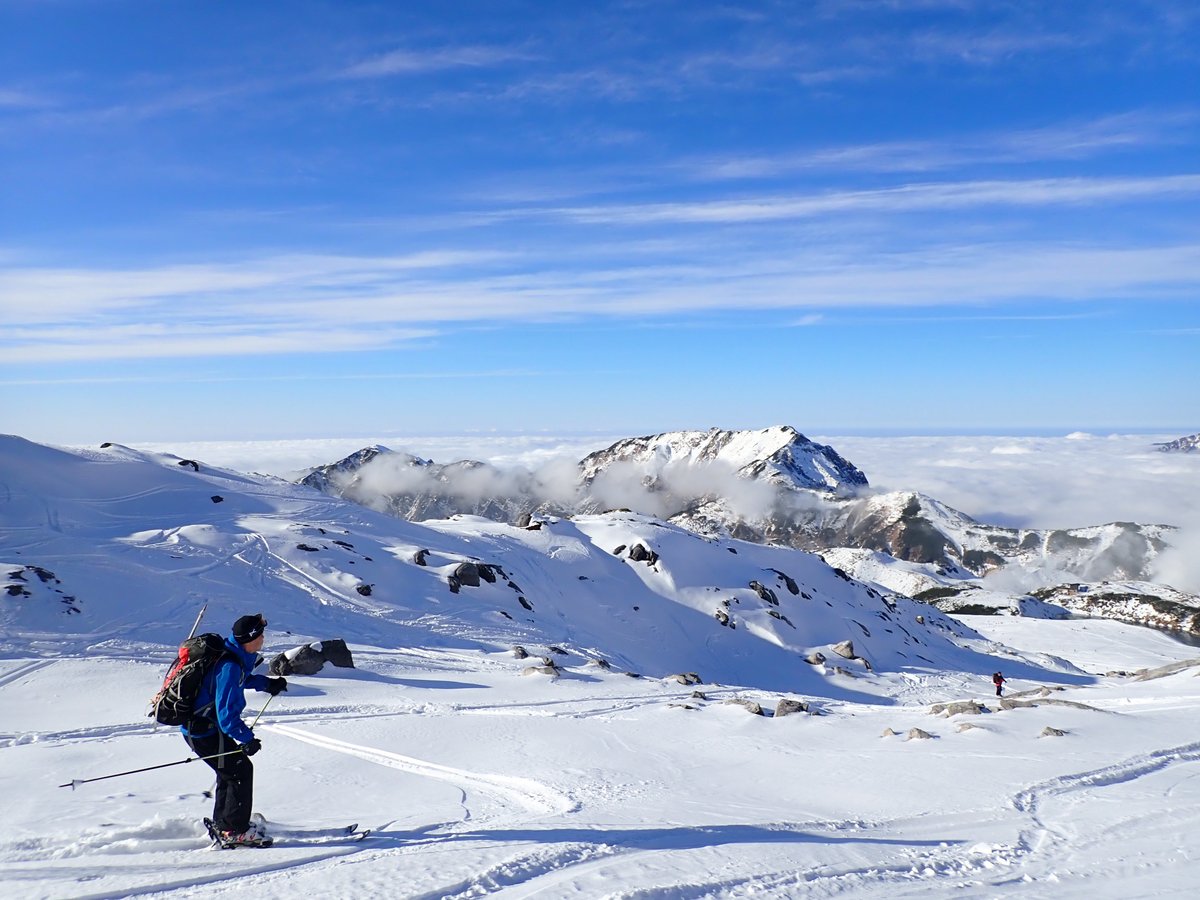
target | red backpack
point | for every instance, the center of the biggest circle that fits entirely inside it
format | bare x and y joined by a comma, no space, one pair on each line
175,703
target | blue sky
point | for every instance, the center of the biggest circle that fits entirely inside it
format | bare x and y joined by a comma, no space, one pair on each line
246,221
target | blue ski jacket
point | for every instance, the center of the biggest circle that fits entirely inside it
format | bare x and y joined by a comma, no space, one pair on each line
223,689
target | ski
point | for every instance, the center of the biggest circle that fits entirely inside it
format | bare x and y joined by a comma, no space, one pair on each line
346,834
351,834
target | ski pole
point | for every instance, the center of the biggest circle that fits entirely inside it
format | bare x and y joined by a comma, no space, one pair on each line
78,781
196,624
261,711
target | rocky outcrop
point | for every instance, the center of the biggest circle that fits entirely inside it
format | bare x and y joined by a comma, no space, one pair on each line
467,574
1169,669
549,669
748,705
958,708
309,659
787,707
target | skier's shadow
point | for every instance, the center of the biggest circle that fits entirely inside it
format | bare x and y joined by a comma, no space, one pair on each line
316,685
673,838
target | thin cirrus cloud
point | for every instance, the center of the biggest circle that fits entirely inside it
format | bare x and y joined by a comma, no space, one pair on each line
197,339
63,293
1102,136
405,61
906,198
21,99
329,310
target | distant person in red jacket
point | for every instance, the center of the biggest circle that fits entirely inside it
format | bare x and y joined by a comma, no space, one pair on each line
998,680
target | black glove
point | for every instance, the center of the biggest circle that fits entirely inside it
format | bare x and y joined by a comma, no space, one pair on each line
252,746
276,685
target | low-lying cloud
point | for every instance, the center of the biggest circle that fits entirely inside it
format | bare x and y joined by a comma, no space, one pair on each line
655,490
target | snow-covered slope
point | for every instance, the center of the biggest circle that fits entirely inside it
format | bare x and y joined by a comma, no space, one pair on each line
137,542
484,775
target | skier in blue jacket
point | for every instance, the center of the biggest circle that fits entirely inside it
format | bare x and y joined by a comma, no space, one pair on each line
218,731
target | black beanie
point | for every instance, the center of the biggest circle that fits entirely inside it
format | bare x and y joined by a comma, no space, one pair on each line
247,628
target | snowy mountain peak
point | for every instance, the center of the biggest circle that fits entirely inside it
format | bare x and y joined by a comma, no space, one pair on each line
331,478
779,455
1189,444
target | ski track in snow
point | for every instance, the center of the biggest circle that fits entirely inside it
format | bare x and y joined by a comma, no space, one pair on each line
528,869
1045,841
95,733
1043,846
979,871
23,669
530,796
225,876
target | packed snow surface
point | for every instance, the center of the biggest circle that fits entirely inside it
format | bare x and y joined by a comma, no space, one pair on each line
480,778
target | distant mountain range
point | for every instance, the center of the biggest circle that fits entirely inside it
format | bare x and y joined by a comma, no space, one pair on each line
1188,444
772,486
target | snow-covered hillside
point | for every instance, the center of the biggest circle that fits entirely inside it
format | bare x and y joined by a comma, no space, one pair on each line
484,774
136,541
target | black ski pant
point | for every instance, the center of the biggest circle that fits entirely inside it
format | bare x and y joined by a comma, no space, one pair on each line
235,780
